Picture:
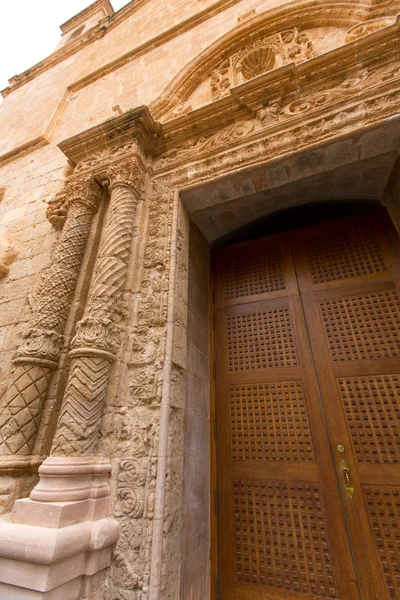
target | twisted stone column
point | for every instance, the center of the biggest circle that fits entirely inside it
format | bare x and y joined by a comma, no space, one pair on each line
97,337
37,356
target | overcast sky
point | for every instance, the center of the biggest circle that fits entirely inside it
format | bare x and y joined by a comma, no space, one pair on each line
30,31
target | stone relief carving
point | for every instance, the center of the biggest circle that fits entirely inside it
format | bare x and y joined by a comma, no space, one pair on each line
284,109
362,29
260,56
138,466
37,355
8,254
97,338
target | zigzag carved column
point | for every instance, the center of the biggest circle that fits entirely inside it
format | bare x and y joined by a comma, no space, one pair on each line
37,356
97,337
68,513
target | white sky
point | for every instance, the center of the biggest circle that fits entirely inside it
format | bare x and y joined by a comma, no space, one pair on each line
30,31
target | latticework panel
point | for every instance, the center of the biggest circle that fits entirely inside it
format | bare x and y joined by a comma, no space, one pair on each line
261,339
372,409
363,327
353,252
280,537
269,422
251,274
383,504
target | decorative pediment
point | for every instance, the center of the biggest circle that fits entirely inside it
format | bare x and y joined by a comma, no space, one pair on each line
262,45
260,56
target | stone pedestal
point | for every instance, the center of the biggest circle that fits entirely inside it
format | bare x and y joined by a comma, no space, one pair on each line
58,543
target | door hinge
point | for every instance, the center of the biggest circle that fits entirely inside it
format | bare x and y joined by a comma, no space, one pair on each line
215,502
217,587
215,428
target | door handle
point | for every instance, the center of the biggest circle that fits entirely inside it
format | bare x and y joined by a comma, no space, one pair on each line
344,467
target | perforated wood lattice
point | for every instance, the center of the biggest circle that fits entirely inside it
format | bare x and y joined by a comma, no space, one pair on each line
372,410
256,273
363,327
261,339
280,537
351,252
269,421
383,504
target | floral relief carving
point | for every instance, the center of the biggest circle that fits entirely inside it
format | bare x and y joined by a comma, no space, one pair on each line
282,110
137,472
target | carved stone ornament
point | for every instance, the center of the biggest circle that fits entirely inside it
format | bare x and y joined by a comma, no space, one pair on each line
8,254
362,29
22,403
98,333
260,56
285,112
130,172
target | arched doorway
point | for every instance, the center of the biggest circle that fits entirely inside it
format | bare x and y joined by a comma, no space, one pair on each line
307,385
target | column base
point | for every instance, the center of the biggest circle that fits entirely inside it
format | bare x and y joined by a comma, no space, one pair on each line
59,549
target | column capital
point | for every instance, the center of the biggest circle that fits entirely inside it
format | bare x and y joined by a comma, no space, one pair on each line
130,172
84,190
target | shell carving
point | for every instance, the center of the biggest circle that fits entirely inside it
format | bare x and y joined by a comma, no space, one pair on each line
257,62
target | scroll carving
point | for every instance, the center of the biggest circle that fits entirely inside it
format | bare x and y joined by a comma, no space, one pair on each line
38,354
97,338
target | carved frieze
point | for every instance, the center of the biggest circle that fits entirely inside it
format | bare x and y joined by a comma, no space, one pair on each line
344,104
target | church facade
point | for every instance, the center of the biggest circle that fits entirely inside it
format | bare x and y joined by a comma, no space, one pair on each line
200,311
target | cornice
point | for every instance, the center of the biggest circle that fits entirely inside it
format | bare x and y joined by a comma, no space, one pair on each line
86,13
21,151
99,31
134,125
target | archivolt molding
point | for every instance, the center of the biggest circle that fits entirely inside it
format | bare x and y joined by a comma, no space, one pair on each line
222,60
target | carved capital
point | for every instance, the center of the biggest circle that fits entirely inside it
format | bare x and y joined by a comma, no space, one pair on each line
96,336
130,173
40,346
84,190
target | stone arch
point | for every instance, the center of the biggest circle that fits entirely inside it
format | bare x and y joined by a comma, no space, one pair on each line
352,18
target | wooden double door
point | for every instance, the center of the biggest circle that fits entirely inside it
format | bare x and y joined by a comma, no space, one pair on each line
307,397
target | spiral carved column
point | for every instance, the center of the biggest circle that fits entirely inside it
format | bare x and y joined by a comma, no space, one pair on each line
37,356
97,338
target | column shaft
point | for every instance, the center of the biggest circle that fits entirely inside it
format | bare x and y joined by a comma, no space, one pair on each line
95,344
37,356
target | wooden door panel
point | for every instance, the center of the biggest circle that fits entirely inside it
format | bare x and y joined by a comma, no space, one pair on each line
281,532
255,271
353,319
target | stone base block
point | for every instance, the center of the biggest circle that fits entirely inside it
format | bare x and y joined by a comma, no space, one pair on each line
59,545
41,560
81,588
